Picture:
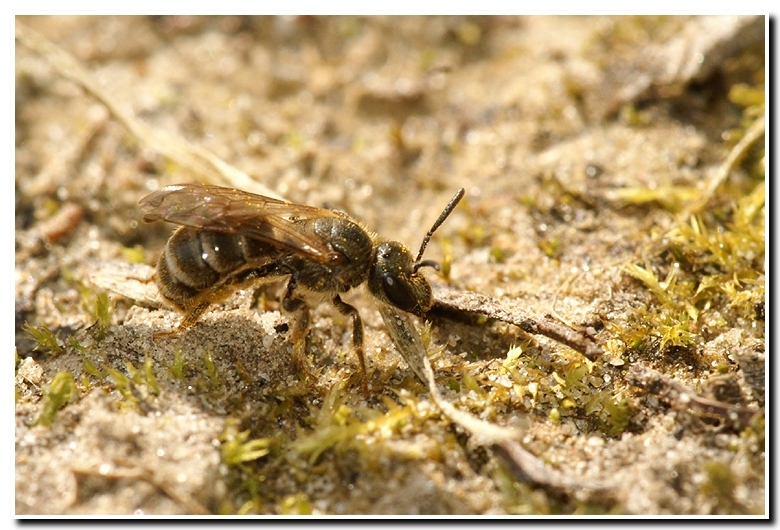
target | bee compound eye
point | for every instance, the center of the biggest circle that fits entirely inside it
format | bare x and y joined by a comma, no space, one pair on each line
399,293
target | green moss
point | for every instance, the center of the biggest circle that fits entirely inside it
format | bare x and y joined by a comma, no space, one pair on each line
747,96
97,305
497,254
89,367
713,270
237,448
360,432
520,498
566,387
297,504
136,386
123,384
211,368
469,33
474,235
617,414
135,254
334,424
46,340
151,379
550,247
76,345
100,309
719,482
671,198
59,392
177,367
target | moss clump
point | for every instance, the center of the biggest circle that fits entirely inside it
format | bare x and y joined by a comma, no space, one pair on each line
713,278
136,387
101,310
46,340
178,366
59,393
565,388
97,305
238,449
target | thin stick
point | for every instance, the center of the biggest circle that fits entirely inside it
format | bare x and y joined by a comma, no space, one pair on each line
467,302
680,397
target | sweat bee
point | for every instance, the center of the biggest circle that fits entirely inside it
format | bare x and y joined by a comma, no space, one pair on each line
230,239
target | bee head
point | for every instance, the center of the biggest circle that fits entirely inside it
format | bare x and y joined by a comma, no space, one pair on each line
394,275
394,279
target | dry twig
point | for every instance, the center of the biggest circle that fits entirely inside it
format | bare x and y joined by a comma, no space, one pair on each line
680,397
473,303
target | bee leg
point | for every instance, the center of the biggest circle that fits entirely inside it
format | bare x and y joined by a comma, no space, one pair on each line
357,335
191,316
302,319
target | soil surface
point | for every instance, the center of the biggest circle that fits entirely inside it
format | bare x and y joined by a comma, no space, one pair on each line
587,146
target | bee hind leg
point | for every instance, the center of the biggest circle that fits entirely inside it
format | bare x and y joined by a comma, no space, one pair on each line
191,316
302,320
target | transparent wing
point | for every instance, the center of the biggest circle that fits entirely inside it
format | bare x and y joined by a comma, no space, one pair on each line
233,211
407,339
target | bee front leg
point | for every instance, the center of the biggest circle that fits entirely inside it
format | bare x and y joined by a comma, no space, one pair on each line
357,335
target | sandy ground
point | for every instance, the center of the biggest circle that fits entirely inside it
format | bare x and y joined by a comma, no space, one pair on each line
581,142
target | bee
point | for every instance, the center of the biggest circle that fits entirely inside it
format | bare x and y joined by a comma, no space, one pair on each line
230,239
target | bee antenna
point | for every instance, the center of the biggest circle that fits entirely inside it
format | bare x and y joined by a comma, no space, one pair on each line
444,214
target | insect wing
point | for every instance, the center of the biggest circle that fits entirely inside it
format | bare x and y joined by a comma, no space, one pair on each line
406,338
233,211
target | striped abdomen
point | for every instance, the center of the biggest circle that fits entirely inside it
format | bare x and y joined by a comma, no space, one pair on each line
200,266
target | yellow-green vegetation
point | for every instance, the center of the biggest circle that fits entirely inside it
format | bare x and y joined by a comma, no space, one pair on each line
447,257
712,262
47,340
97,305
135,254
136,387
568,387
550,247
713,276
519,498
100,309
297,504
482,114
632,30
341,428
90,368
719,483
177,367
246,474
211,368
363,435
237,448
671,198
752,101
149,376
60,391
